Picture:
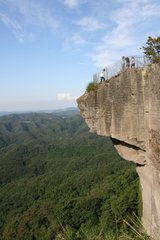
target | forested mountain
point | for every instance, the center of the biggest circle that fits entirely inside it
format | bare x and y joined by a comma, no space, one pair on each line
38,128
56,177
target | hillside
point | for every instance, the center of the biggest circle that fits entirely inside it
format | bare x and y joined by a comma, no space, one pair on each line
40,128
55,175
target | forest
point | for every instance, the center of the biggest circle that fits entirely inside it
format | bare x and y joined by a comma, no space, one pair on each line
59,181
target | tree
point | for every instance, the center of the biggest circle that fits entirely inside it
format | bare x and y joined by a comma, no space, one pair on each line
152,49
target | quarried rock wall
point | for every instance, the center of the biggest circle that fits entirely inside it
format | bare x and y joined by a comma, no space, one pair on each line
128,110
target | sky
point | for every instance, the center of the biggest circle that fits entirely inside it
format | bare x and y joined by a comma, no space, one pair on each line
50,49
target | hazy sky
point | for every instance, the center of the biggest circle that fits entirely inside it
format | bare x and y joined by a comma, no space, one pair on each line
49,49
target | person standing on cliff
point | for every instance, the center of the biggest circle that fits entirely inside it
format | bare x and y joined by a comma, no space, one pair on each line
102,75
127,62
132,62
123,62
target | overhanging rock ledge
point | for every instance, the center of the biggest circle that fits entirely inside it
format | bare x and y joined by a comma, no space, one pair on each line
128,110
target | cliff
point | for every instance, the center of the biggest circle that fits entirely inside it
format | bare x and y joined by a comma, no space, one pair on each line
128,110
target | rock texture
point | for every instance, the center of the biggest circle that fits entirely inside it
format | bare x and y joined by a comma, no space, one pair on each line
128,110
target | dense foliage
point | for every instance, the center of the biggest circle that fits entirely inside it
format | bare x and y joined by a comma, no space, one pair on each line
92,86
152,49
56,178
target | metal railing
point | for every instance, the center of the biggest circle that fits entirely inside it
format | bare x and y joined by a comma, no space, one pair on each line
140,61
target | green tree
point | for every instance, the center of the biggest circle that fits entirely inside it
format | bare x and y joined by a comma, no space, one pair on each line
152,49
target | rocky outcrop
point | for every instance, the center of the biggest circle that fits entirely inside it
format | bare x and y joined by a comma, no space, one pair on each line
128,110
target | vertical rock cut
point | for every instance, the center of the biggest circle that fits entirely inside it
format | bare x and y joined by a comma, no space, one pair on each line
128,110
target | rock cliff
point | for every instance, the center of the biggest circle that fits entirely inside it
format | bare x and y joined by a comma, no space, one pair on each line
128,110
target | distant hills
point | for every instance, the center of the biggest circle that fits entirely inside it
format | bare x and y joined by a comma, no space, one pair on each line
68,111
4,113
29,128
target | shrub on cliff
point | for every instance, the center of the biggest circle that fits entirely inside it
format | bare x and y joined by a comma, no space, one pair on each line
152,49
92,86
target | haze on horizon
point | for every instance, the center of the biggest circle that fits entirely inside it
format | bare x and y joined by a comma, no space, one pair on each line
50,49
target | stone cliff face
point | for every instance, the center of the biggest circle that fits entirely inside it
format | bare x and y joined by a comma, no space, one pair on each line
128,110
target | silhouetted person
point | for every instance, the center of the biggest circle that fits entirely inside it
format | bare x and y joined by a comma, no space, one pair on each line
123,62
127,62
132,62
